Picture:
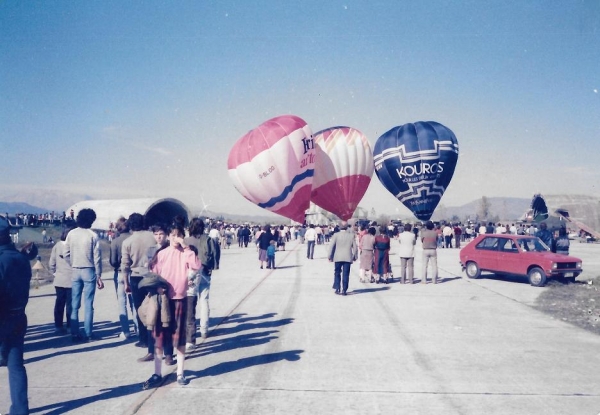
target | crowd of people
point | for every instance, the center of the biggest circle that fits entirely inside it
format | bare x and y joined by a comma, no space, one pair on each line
40,219
162,275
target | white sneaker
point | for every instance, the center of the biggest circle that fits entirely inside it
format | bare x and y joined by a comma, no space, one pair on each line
189,347
123,336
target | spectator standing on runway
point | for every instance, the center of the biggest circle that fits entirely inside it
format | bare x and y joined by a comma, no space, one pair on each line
301,233
206,255
319,232
82,252
457,235
264,240
311,237
381,256
214,233
365,245
448,234
123,298
342,251
246,235
134,264
240,236
562,242
63,273
174,263
122,232
546,236
281,236
271,255
407,254
482,229
15,277
428,239
159,231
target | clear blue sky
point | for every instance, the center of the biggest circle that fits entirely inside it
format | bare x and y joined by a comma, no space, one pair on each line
131,99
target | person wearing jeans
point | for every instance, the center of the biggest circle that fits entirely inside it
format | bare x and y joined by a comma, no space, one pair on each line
203,296
206,248
310,236
82,252
123,297
84,288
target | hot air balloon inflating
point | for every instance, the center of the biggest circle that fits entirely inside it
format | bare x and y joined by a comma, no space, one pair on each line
272,166
415,162
343,170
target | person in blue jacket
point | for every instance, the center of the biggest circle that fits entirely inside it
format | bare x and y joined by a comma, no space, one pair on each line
271,255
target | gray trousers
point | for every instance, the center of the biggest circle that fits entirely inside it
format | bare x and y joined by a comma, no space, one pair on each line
429,255
407,264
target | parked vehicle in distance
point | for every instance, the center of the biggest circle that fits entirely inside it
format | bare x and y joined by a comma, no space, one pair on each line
519,255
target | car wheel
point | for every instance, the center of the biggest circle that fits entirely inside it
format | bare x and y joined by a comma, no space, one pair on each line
472,270
537,277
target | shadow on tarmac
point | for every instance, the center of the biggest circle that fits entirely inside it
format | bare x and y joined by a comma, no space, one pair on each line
219,342
368,290
232,366
213,345
288,266
225,331
239,318
232,343
105,394
505,277
42,337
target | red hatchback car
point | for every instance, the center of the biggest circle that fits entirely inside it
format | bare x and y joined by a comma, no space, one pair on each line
517,255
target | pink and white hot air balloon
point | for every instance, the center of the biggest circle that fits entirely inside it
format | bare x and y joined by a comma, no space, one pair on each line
272,166
343,170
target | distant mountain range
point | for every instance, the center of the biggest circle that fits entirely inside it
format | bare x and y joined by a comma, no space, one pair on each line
504,208
39,201
19,207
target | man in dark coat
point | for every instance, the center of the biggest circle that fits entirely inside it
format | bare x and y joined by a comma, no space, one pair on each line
15,277
546,236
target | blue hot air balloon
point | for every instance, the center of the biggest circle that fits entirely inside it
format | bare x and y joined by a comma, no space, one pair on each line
415,162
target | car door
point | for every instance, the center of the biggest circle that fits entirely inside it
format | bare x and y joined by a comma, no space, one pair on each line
508,256
487,253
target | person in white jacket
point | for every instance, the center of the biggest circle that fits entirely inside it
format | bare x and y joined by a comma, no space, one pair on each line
62,272
406,253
